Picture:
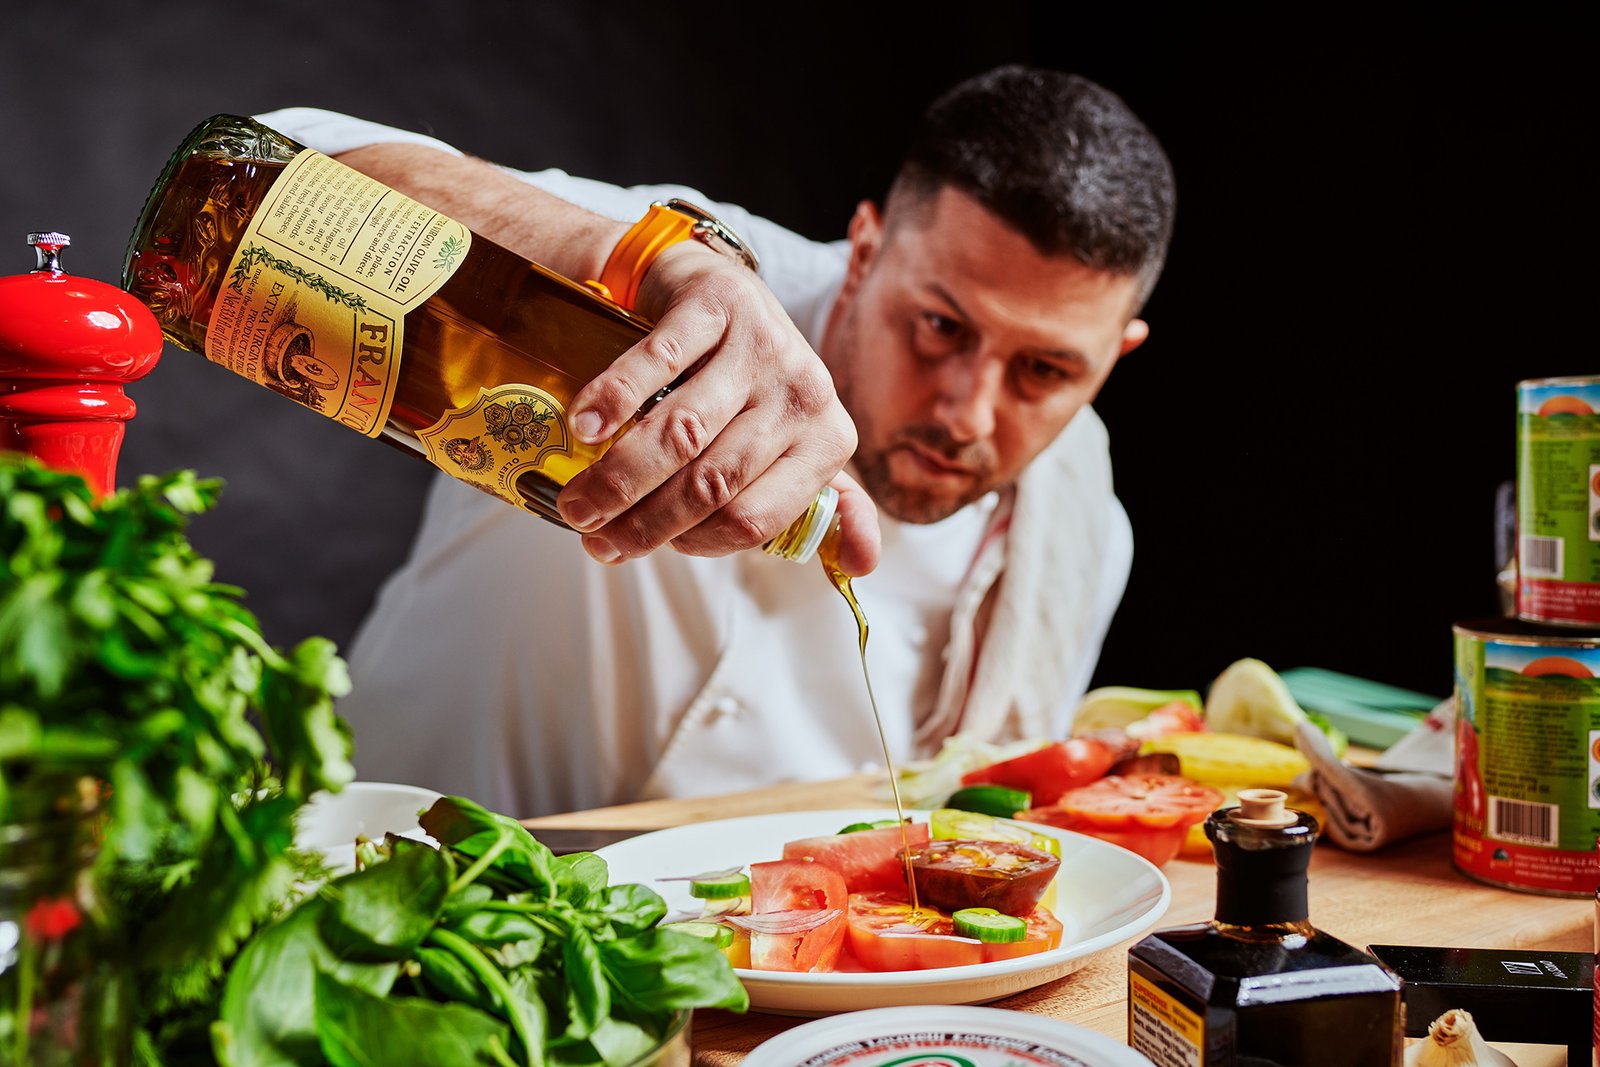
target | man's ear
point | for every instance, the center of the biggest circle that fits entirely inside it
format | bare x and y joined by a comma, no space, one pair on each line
866,239
1133,335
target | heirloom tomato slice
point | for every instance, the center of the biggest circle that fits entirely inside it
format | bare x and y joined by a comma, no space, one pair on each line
1048,772
868,860
965,873
793,885
886,936
1145,813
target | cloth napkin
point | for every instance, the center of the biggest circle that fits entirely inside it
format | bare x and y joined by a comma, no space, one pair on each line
1408,790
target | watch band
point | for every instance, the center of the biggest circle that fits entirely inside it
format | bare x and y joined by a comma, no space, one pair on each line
664,225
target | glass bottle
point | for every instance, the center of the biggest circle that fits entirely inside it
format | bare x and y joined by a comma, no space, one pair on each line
340,293
1260,985
61,1001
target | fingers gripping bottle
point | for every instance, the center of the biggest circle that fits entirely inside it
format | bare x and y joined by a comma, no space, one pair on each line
330,288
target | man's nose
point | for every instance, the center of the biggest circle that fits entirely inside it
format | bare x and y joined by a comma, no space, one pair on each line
970,387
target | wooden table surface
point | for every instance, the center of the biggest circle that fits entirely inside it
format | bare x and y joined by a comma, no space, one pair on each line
1407,894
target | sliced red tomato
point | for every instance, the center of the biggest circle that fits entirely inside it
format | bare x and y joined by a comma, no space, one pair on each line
1175,717
869,860
1141,802
792,885
885,936
1049,771
1145,813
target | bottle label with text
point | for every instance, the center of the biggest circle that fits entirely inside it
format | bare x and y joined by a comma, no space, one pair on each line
506,432
1167,1032
316,294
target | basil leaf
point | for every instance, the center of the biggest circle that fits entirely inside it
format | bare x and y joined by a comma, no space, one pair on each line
443,972
623,1041
474,831
268,1016
384,911
513,939
357,1029
666,970
588,999
580,876
632,909
466,900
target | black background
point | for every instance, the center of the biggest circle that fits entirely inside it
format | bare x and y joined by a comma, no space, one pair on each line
1385,221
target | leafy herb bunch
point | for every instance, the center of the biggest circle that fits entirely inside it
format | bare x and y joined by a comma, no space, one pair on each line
123,663
486,951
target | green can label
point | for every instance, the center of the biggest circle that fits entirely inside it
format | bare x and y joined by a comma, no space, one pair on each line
1558,501
1527,800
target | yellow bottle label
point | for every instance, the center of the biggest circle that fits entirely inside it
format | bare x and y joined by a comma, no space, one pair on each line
316,295
1167,1032
507,431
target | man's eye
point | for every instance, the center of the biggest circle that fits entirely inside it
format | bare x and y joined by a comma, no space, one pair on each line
936,334
1038,378
1044,370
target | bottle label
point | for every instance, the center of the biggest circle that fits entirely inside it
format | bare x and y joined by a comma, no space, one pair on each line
316,295
506,432
1167,1032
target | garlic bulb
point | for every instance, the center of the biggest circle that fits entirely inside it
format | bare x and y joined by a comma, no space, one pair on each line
1453,1041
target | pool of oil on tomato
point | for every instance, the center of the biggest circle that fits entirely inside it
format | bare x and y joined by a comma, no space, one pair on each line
828,553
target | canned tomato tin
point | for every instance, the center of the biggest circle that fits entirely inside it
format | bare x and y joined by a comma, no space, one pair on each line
1527,766
1558,501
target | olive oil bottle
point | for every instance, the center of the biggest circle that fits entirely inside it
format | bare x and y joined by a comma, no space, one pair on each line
1260,985
330,288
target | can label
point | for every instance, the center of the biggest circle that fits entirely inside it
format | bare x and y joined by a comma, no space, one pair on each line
1558,501
1527,781
319,286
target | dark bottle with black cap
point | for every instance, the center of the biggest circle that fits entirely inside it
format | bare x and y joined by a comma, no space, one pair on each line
1259,984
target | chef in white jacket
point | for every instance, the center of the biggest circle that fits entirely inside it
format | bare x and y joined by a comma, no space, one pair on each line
966,323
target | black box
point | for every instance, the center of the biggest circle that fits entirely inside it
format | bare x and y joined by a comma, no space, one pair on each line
1520,995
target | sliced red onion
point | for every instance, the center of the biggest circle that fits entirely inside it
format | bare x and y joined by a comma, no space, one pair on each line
704,876
794,921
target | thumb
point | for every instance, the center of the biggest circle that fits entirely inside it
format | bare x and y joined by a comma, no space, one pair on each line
860,539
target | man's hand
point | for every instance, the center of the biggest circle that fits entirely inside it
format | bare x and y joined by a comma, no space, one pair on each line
729,458
732,456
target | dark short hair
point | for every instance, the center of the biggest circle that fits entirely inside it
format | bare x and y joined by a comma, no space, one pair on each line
1059,158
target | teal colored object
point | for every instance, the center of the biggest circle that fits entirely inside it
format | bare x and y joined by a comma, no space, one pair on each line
1371,713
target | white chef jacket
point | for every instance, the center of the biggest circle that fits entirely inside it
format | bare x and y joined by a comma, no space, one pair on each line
501,663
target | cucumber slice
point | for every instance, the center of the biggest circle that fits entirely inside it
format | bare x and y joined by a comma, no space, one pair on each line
721,936
948,823
989,925
720,886
858,826
1000,801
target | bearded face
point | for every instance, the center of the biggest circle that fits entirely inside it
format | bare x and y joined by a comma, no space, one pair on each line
961,352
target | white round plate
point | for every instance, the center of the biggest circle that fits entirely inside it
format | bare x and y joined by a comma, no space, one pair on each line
1104,896
981,1037
329,823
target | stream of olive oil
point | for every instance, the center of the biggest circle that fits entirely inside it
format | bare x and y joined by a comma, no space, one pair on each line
841,582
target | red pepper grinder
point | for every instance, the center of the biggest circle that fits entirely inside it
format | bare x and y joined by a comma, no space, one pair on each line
66,346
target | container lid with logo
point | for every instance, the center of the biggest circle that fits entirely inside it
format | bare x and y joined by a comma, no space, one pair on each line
981,1037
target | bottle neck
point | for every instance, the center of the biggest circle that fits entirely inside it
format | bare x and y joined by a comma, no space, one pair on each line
1289,933
1261,873
1255,889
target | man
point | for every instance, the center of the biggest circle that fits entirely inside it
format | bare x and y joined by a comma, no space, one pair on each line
966,324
